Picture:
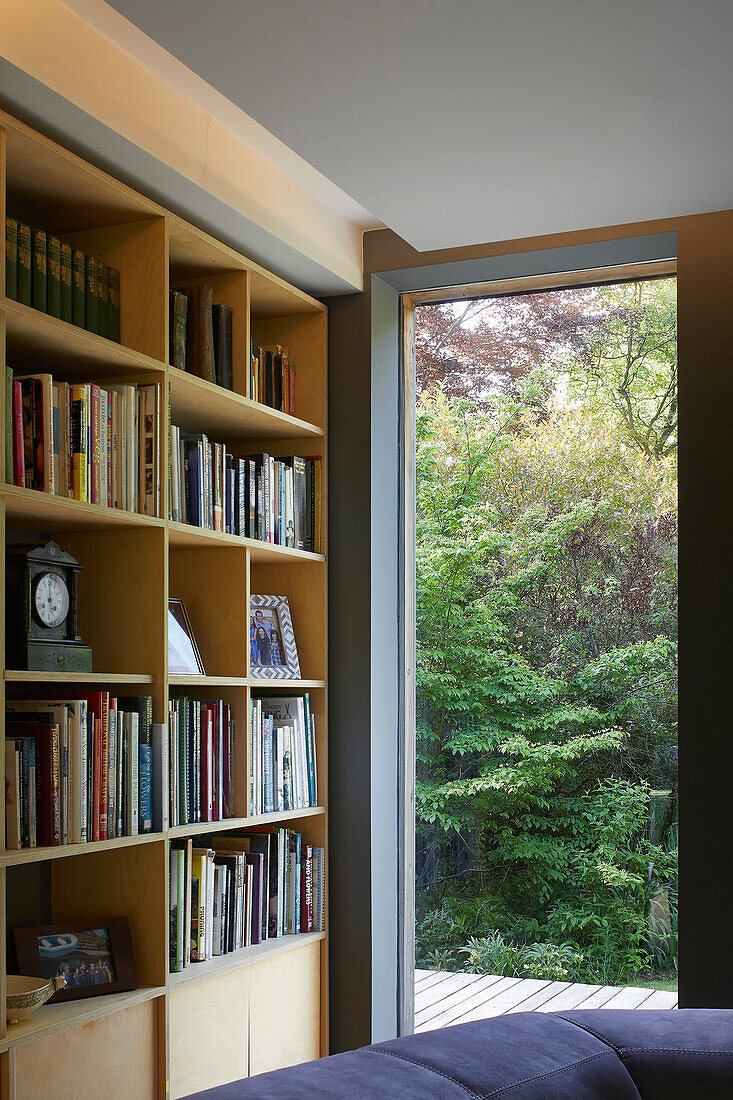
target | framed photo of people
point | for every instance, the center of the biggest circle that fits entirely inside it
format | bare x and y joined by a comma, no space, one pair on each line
273,654
94,957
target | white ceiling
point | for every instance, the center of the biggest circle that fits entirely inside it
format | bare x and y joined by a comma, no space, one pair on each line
463,121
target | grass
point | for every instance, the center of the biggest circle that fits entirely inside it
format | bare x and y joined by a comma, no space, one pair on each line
668,985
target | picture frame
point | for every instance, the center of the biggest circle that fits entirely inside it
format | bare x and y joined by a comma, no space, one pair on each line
95,956
273,655
184,658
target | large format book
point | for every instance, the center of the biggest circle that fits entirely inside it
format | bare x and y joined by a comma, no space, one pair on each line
38,430
199,333
142,705
222,334
48,774
177,903
177,328
11,258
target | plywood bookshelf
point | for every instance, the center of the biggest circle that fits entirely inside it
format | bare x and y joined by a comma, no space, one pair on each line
261,1007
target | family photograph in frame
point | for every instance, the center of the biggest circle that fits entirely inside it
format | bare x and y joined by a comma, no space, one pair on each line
273,654
94,957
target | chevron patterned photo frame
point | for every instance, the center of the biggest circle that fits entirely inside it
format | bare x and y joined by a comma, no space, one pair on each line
273,654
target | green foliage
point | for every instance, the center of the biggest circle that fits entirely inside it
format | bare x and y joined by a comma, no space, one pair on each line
546,661
492,954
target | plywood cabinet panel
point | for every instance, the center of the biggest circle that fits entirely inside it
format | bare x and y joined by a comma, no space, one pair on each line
285,1010
209,1033
115,1057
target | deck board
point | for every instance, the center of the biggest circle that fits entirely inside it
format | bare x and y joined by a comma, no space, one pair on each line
443,999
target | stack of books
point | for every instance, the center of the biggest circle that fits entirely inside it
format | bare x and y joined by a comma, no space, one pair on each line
202,740
282,754
201,335
241,890
272,378
80,767
257,496
48,274
84,441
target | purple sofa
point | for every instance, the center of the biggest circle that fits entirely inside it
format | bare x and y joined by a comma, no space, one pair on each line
593,1055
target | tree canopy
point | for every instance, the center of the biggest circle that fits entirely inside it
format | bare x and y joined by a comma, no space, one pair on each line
546,609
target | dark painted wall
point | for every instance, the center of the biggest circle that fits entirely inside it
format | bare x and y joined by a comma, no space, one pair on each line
705,295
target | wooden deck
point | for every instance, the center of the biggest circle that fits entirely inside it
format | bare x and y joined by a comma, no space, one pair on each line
442,998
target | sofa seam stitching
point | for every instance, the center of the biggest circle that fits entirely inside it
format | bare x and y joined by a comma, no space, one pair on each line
639,1050
673,1050
542,1076
430,1069
590,1031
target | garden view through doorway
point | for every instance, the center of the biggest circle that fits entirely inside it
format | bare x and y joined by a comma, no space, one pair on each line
546,623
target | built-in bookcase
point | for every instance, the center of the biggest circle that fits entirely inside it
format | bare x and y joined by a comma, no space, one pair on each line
261,1007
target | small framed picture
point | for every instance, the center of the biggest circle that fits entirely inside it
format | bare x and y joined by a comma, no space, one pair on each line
273,654
95,957
184,658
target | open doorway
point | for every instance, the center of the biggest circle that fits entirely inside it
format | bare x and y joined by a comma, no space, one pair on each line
546,650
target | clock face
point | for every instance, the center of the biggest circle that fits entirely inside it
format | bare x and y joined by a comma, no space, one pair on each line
51,599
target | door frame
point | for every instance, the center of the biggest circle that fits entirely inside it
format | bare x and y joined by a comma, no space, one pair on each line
593,275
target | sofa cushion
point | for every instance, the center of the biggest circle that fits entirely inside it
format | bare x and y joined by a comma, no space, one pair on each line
531,1054
593,1055
670,1055
527,1056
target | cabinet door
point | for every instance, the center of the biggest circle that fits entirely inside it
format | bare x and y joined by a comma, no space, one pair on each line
114,1057
209,1038
285,1010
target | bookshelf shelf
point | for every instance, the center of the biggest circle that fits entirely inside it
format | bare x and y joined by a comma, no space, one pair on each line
229,416
61,1017
184,535
287,686
67,851
75,351
246,956
207,681
200,828
19,676
49,512
131,565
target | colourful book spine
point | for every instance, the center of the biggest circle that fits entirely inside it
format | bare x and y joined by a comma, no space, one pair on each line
114,332
11,258
24,264
39,278
9,425
91,294
96,445
102,298
79,432
78,288
53,280
65,270
18,449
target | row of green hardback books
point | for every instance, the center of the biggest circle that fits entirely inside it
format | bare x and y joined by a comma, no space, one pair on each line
44,272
